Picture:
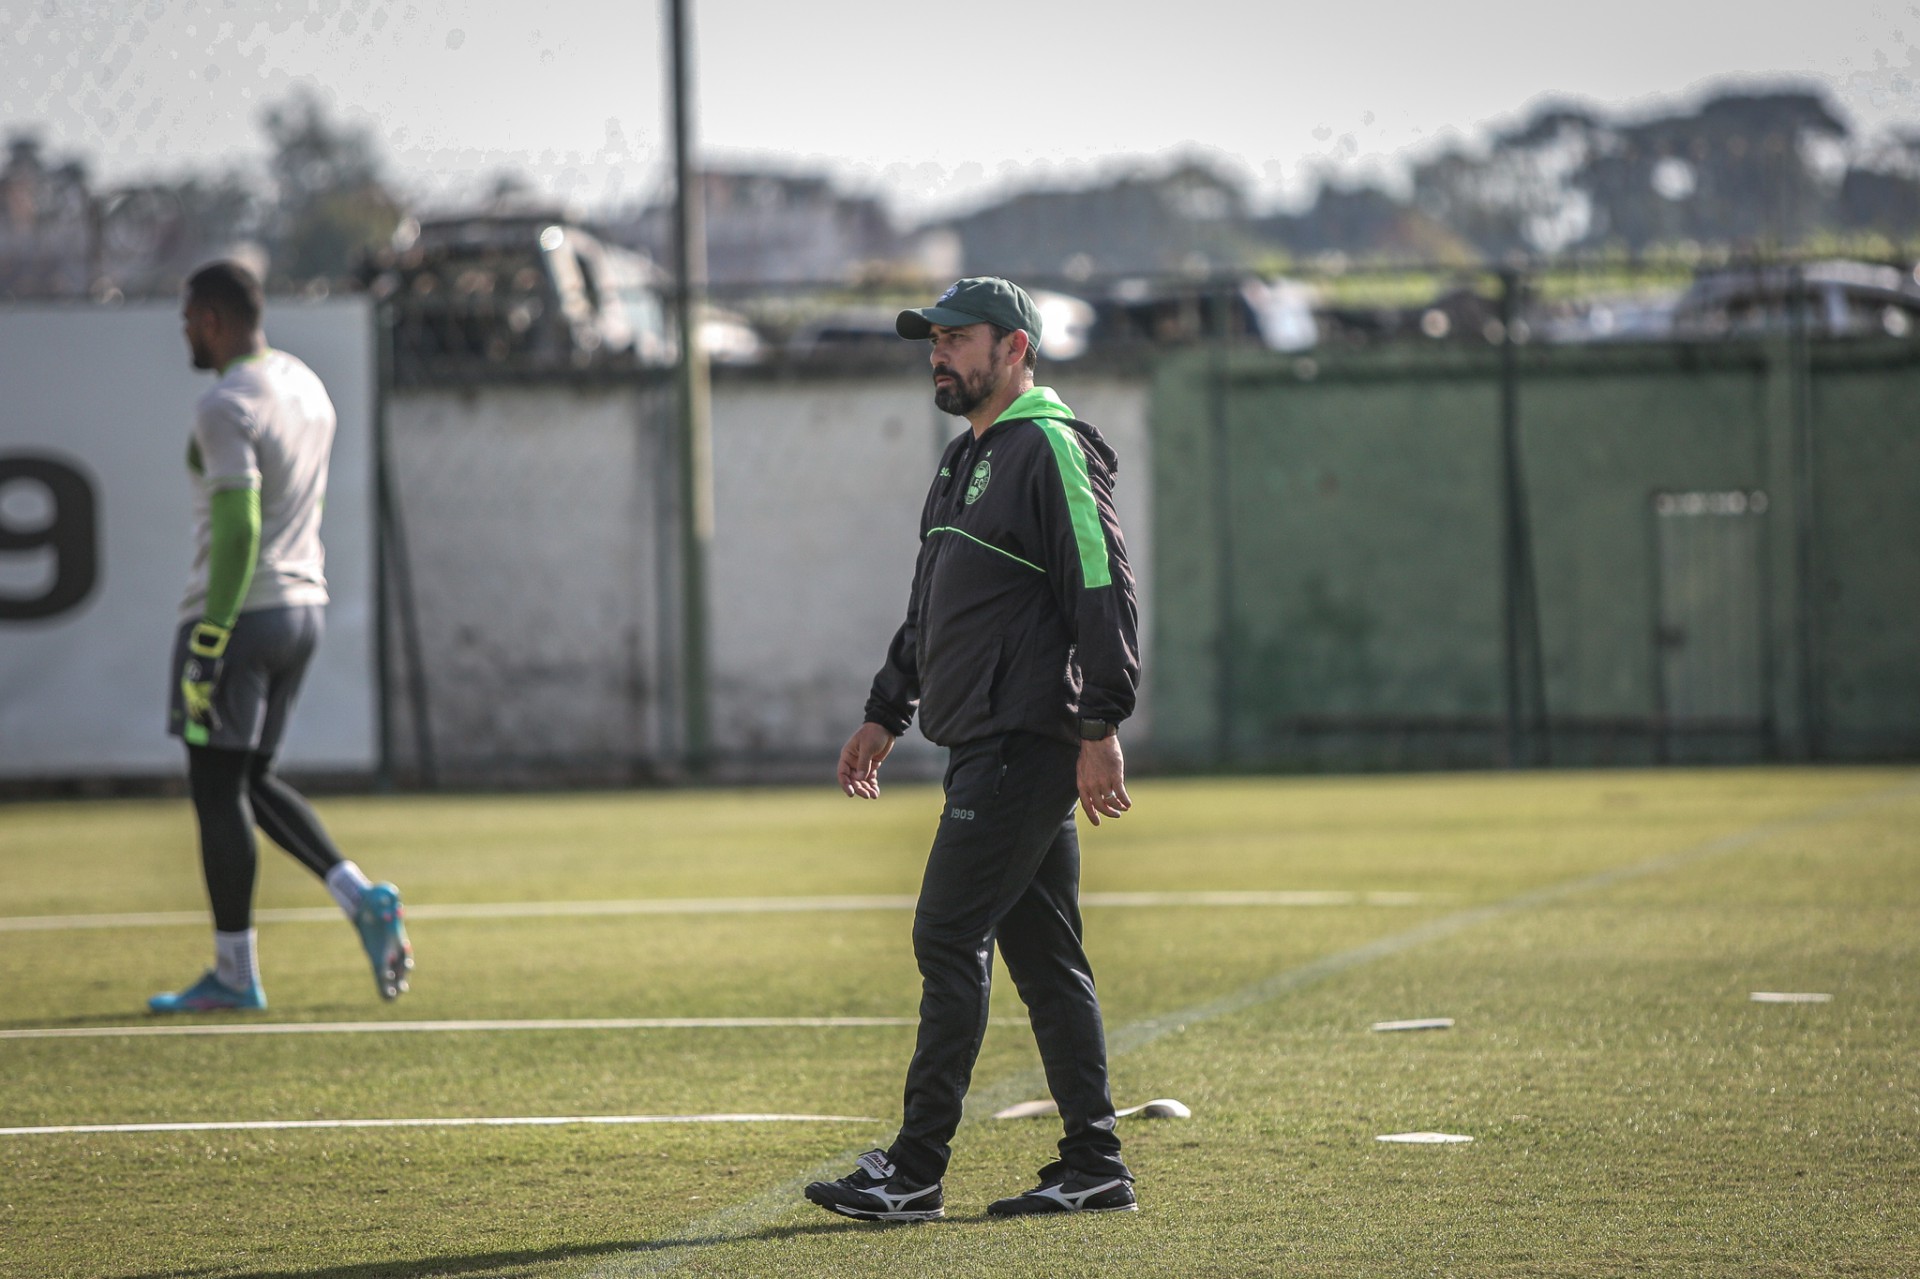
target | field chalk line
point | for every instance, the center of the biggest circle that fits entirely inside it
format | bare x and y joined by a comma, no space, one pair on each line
692,906
782,1202
198,1030
526,1121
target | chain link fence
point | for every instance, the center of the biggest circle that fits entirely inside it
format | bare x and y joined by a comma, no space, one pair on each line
1501,526
1465,424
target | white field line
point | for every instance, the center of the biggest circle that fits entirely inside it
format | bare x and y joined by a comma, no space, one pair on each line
692,906
523,1121
751,1218
197,1030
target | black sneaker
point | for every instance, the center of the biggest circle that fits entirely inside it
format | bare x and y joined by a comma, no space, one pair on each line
873,1192
1061,1189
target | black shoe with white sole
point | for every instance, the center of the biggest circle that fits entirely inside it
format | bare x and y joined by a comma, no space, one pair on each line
873,1191
1061,1189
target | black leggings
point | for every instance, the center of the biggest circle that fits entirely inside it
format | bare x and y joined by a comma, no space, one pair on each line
231,791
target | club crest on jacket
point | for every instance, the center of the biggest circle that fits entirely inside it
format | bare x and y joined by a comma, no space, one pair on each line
978,485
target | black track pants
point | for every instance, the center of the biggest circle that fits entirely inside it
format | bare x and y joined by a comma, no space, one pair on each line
231,791
1005,868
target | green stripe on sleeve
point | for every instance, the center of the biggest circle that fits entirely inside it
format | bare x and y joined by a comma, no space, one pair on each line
1094,568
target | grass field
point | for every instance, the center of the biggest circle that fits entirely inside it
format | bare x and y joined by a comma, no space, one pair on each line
1595,936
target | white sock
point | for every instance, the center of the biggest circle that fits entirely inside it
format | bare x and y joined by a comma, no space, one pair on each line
234,962
346,883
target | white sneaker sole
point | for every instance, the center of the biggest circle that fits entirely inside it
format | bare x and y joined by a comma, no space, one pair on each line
861,1215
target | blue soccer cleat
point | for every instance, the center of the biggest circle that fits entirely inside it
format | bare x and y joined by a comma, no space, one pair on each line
383,931
207,995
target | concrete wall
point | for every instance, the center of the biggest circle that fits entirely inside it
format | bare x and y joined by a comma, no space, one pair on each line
539,525
529,517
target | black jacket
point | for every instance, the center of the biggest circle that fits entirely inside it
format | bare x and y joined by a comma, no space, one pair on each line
1022,612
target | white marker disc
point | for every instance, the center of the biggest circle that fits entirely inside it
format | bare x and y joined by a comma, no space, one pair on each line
1417,1023
1423,1138
1158,1108
1789,997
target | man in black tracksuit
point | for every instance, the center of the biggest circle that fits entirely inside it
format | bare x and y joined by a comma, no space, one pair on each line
1019,651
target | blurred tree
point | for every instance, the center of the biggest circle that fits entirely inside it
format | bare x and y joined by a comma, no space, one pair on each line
144,239
63,236
1753,168
1759,169
1522,195
42,222
1881,190
333,204
511,189
1365,222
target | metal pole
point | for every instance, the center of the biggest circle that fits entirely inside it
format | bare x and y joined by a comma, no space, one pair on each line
96,242
382,585
696,428
398,563
1526,727
1806,546
1226,676
1509,551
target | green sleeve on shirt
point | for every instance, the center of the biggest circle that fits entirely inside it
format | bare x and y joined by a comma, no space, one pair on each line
1095,569
232,551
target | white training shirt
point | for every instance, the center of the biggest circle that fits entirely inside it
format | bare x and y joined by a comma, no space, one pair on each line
267,425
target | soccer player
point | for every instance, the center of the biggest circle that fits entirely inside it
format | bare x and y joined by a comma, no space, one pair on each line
1019,653
252,616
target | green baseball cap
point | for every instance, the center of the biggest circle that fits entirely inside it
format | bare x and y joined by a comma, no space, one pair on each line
980,299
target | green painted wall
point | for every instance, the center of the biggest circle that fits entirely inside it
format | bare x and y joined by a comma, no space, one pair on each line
1328,543
1866,558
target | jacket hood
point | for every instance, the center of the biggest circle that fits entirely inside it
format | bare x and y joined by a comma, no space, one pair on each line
1041,403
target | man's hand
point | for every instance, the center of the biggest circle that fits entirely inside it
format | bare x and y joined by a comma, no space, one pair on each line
860,761
1103,779
200,674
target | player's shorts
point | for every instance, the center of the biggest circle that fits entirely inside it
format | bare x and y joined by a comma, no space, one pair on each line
266,659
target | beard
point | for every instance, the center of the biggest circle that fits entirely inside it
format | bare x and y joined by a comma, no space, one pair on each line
964,395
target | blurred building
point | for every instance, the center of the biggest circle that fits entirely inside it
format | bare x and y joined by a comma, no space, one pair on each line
1189,220
769,228
1362,222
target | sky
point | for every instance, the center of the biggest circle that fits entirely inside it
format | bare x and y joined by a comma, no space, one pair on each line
935,107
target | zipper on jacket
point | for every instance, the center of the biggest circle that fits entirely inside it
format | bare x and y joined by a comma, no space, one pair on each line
962,465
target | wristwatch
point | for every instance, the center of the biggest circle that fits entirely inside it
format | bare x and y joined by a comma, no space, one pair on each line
1096,730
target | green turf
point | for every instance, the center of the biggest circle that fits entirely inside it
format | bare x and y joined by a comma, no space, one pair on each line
1595,935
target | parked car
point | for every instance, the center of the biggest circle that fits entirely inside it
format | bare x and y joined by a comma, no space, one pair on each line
522,291
728,337
1626,317
864,332
1838,298
1066,323
1280,314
